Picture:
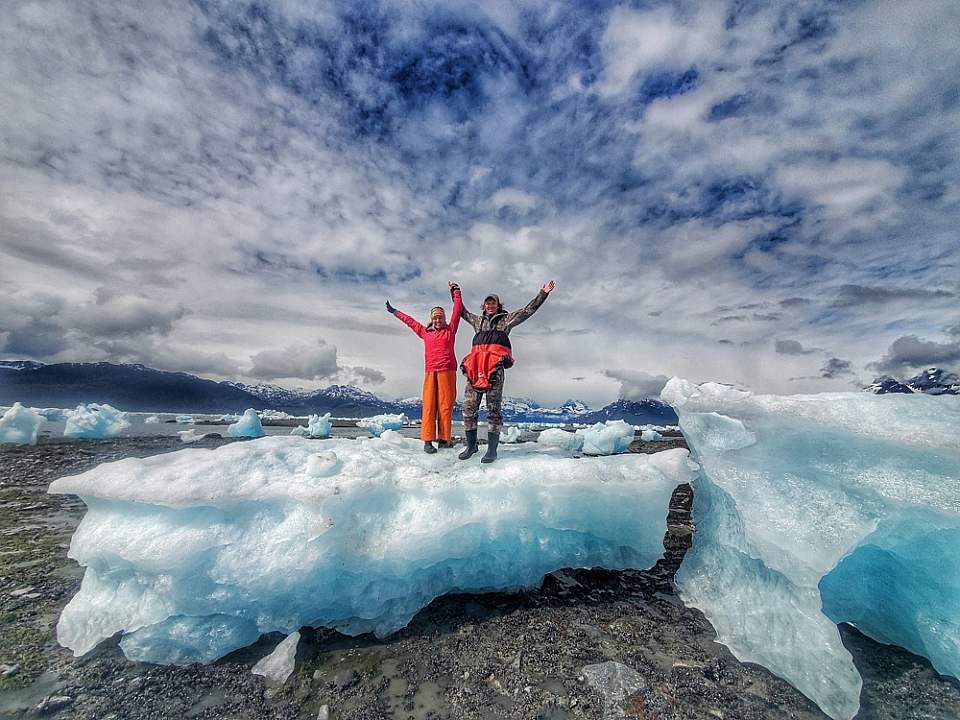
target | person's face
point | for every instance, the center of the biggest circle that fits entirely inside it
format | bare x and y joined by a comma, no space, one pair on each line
490,306
438,320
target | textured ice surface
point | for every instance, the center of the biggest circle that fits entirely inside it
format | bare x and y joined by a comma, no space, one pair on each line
193,554
247,426
317,427
278,665
151,420
378,423
607,438
95,421
848,502
650,435
20,425
555,437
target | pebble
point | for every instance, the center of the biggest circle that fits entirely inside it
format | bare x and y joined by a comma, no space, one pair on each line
9,670
52,703
345,679
324,713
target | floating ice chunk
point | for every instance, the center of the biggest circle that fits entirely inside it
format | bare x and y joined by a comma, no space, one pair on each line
52,414
317,427
278,665
378,423
247,426
555,437
650,436
20,425
151,420
819,509
95,421
229,418
609,438
191,435
274,415
185,419
359,537
511,434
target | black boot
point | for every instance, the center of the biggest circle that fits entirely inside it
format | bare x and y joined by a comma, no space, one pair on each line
471,441
444,444
428,448
493,439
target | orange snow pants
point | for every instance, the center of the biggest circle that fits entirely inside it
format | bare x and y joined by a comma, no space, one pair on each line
439,394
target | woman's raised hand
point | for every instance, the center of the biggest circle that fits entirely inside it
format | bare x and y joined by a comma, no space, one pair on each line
390,308
548,287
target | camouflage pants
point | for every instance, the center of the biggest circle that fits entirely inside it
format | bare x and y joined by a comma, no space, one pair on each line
471,404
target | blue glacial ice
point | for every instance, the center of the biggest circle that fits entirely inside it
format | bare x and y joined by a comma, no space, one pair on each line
195,553
818,509
603,438
95,421
316,427
247,426
20,425
378,423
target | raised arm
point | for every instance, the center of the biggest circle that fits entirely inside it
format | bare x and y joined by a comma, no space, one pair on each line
474,320
457,307
406,320
518,316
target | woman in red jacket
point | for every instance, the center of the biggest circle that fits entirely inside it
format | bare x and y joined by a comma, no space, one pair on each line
440,371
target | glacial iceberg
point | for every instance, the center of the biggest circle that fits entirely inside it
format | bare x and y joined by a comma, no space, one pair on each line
555,437
191,435
151,420
607,438
650,436
20,425
185,419
378,423
317,427
819,509
195,553
511,434
247,426
95,421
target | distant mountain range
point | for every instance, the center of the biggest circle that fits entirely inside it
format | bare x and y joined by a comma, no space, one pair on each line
138,388
932,381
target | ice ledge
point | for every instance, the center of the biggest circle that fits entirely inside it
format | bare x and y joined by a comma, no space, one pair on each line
195,553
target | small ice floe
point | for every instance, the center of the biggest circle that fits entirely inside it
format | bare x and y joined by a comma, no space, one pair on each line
511,434
278,665
609,438
190,436
378,423
247,426
555,437
20,425
316,427
151,420
650,436
185,419
95,421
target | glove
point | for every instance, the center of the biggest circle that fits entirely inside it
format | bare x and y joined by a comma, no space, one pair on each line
453,287
390,308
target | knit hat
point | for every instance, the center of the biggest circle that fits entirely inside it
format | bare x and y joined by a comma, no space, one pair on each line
491,296
434,311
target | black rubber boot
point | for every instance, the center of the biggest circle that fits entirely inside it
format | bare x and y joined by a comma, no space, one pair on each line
493,439
471,441
428,448
444,444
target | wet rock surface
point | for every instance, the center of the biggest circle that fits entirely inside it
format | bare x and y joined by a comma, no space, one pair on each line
586,644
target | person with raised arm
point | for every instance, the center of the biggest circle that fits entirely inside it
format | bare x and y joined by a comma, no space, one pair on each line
485,364
439,371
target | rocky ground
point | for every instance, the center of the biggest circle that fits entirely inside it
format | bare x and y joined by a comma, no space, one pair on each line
587,644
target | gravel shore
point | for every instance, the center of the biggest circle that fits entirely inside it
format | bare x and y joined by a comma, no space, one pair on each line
547,653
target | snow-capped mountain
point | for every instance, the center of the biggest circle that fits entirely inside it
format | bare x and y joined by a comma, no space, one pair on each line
932,381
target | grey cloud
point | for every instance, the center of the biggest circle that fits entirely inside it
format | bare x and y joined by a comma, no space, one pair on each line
795,302
305,362
790,347
164,355
834,367
860,294
636,384
909,353
368,375
36,339
124,314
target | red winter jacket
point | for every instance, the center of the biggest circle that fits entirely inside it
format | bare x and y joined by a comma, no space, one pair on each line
438,345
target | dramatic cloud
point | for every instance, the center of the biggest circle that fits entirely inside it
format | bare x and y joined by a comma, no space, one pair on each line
790,347
310,362
909,353
189,185
637,385
835,367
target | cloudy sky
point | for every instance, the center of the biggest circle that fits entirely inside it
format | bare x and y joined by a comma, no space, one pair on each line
761,193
